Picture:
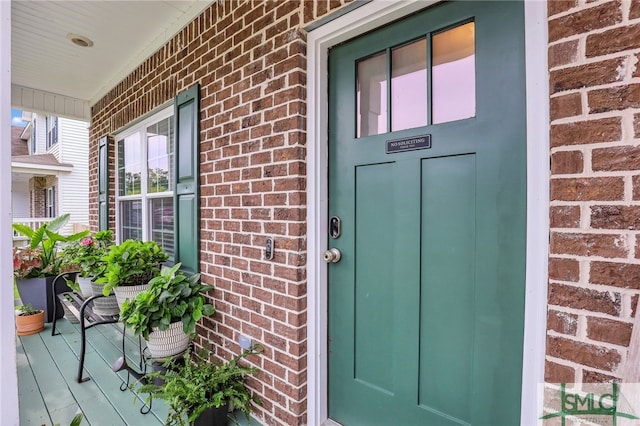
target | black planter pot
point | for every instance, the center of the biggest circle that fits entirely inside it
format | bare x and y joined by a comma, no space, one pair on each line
213,416
38,292
158,366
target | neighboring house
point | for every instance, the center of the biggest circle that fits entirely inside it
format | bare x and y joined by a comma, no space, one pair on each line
475,165
49,170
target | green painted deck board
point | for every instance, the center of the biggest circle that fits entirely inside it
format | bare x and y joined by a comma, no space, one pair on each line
58,399
48,390
32,407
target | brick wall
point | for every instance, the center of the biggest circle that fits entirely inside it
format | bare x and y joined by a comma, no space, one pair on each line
250,60
594,267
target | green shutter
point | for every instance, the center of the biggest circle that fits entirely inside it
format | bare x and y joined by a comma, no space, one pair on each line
186,190
103,183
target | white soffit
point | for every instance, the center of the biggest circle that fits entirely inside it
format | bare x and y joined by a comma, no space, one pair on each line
51,74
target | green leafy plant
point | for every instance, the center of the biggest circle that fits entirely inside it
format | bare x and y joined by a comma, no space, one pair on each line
28,310
192,386
85,255
40,257
131,263
171,297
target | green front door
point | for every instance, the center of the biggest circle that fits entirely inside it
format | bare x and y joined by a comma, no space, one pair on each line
427,178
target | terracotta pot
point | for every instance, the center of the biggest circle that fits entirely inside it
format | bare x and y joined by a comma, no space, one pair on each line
30,324
38,292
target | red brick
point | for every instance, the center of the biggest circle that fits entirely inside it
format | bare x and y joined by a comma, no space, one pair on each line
558,6
622,275
615,217
562,322
593,356
567,162
601,245
609,331
586,132
561,269
616,158
563,53
614,40
589,75
589,376
557,373
636,125
600,16
588,189
568,105
614,98
636,187
634,12
582,298
564,216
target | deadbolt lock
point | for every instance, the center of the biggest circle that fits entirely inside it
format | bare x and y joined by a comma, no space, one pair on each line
332,255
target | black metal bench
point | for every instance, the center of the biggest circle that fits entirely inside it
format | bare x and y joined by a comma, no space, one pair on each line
83,310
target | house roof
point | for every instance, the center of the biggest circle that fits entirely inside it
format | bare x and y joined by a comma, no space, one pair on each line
39,164
18,145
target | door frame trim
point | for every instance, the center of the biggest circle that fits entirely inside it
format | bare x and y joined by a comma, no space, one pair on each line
368,17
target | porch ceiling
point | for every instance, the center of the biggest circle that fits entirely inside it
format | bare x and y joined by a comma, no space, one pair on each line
50,74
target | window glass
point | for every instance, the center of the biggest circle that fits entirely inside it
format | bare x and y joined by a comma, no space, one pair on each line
145,181
409,86
130,220
454,74
159,155
372,96
52,130
130,165
161,222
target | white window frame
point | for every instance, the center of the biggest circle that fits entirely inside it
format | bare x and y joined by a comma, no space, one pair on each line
141,128
52,123
50,202
34,138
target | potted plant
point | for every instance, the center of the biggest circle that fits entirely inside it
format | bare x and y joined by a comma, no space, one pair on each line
36,266
130,266
200,392
85,255
29,320
166,313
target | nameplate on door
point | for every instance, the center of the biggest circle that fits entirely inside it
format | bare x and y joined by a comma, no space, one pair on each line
409,144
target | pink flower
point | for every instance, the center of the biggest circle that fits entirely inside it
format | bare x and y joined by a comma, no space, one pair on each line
87,241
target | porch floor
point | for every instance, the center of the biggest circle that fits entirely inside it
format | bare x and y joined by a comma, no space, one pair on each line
49,393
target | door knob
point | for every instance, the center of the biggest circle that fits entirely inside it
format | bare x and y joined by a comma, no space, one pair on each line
332,255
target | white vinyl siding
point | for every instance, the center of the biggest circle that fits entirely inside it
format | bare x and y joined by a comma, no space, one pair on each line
73,188
41,135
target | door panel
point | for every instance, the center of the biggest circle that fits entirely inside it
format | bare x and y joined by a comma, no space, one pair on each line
448,283
426,303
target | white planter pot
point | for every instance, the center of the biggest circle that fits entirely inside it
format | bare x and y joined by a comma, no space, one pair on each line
85,286
124,292
104,305
169,342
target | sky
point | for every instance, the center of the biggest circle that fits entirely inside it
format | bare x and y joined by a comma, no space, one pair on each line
16,119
